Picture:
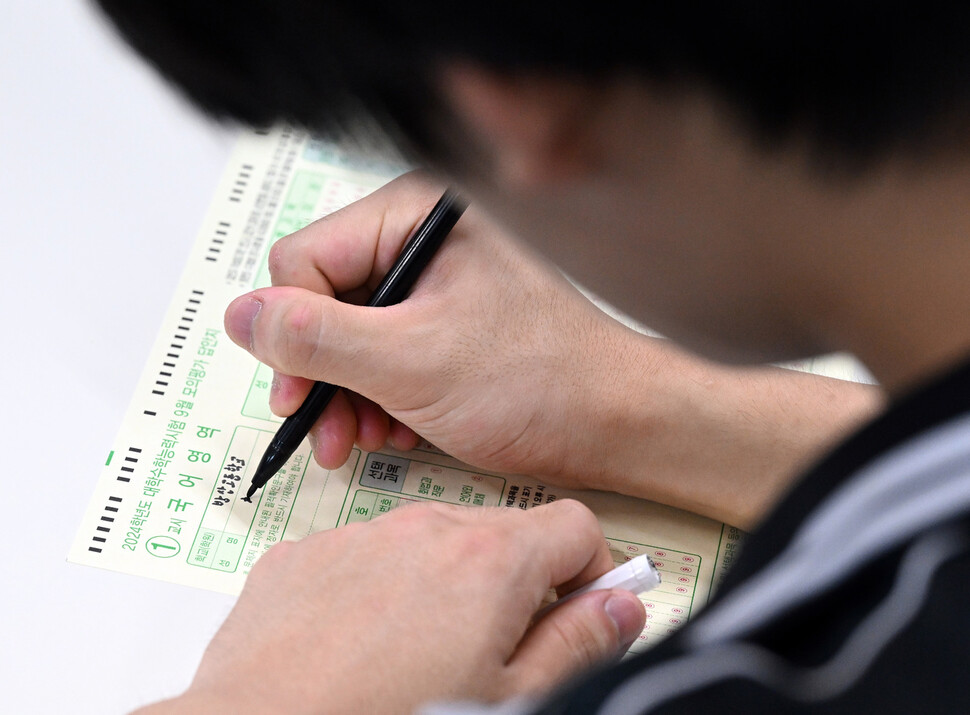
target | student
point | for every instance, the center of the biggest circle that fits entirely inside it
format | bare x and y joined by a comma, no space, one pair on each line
758,181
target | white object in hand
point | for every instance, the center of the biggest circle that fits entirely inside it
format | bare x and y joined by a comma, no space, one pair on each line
636,575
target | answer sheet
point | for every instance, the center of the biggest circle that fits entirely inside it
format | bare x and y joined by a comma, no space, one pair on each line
168,504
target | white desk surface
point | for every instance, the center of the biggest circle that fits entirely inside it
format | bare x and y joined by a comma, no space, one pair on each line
105,175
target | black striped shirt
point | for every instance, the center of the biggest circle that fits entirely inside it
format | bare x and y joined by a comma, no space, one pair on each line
852,597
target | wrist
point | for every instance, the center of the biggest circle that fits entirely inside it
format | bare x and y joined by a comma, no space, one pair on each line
719,441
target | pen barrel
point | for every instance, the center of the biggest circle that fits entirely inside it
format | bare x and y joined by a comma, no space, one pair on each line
296,426
395,286
316,401
418,251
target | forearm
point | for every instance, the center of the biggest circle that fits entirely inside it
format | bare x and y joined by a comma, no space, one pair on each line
725,442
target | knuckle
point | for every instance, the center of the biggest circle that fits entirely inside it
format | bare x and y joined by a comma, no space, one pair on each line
411,512
469,541
275,558
570,506
418,181
329,543
586,645
409,520
300,328
478,544
277,260
579,515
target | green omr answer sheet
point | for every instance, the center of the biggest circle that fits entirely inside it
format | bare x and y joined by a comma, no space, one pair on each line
168,504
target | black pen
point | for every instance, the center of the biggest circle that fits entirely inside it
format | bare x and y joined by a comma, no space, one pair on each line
415,257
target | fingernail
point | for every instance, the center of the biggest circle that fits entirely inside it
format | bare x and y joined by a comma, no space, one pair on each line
239,320
627,616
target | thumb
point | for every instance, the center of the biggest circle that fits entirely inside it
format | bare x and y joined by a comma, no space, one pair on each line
299,332
588,630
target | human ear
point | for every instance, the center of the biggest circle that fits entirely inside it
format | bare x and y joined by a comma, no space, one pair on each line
533,129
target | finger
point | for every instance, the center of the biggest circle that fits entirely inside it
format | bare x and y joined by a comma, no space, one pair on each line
356,245
373,424
332,435
402,437
287,393
580,553
588,630
298,332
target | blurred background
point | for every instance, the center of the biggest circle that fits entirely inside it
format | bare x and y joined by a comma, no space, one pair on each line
105,174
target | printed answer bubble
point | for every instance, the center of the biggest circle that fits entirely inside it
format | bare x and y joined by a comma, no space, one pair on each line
164,547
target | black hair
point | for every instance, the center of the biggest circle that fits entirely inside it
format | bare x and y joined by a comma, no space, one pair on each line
853,79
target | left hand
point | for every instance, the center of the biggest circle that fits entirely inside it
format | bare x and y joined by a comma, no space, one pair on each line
429,602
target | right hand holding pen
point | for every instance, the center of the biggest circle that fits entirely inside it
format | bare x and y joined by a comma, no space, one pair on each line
473,360
501,362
